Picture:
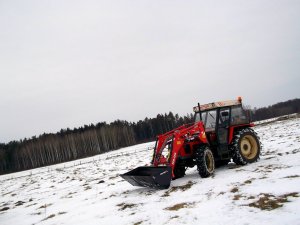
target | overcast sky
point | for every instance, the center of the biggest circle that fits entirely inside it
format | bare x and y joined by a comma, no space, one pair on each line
69,63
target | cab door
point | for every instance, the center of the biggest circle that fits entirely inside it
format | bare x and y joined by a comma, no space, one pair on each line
223,125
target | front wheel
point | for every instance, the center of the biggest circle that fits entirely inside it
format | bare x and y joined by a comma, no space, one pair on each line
179,171
246,147
205,161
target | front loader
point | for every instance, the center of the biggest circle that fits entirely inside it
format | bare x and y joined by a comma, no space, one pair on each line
222,131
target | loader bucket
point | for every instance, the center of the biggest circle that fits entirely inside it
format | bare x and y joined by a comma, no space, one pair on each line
150,176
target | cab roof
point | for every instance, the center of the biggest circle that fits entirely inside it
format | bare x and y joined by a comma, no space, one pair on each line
215,105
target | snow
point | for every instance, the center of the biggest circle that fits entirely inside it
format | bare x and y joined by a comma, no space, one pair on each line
89,191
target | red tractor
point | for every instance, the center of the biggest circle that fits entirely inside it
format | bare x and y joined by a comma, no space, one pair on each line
222,131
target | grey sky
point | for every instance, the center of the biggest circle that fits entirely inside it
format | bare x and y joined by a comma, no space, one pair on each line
69,63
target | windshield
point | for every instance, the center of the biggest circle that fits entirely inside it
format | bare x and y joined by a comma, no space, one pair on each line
208,118
211,119
198,118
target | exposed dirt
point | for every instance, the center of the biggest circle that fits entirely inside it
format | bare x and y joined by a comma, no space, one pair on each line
176,188
49,217
124,206
271,202
179,206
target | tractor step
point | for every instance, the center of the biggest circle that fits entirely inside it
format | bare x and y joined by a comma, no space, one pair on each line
150,176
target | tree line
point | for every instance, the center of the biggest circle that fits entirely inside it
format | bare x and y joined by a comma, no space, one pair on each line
276,110
70,144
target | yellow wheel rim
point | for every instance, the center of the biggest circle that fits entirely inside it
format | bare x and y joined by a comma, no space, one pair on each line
249,147
209,161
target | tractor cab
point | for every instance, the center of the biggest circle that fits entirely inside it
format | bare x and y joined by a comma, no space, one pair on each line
220,120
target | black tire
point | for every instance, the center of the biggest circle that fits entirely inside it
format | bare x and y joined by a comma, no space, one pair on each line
205,161
179,171
245,147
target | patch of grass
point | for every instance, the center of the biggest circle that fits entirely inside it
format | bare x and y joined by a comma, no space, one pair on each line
87,188
234,190
248,182
150,192
269,152
113,177
36,214
18,203
124,206
295,151
271,168
112,195
272,157
61,213
293,194
271,202
45,206
179,206
4,209
30,205
71,193
49,217
125,192
237,197
138,223
176,188
7,193
293,176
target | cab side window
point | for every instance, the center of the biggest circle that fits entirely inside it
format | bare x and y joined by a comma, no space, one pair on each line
238,115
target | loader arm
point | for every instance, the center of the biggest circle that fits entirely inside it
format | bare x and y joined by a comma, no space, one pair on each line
160,174
177,138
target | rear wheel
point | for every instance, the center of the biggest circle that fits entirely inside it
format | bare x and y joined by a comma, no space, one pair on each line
205,161
246,147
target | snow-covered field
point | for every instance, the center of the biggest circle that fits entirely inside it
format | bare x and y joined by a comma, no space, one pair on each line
89,191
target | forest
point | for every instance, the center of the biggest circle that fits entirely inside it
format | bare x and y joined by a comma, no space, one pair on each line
70,144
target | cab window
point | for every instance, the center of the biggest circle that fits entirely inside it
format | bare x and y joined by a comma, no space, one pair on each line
239,115
203,115
210,122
